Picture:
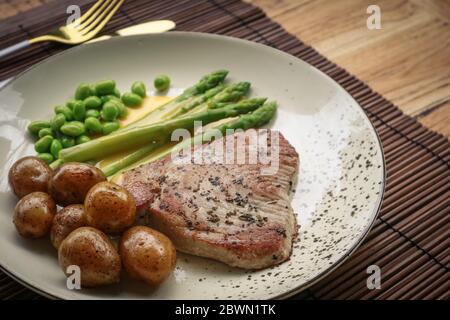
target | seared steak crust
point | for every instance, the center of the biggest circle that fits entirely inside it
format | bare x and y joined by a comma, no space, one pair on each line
229,212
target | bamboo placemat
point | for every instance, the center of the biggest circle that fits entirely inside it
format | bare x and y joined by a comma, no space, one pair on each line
409,240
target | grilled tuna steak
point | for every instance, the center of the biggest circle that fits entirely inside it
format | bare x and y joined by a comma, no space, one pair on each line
229,212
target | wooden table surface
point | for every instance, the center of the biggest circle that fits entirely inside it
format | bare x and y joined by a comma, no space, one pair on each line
407,60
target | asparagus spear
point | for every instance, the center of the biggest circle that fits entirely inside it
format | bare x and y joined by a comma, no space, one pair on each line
256,119
131,158
206,83
193,102
153,133
214,98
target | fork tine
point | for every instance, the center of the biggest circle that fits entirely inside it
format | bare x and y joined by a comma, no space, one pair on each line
86,15
99,11
100,22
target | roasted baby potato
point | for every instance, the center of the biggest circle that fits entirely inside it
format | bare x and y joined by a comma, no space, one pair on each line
65,221
147,254
109,207
71,182
34,214
92,251
29,174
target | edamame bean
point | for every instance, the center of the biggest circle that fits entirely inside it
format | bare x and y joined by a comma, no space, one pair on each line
67,142
66,111
92,90
105,87
73,129
123,111
35,126
116,93
92,113
109,127
83,91
93,102
43,144
70,104
45,132
58,121
109,97
79,111
46,157
131,99
161,82
82,139
93,125
110,111
138,88
55,147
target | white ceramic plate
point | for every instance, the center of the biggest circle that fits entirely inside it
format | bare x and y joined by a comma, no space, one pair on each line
341,178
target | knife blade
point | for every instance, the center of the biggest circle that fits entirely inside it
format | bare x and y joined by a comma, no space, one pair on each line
157,26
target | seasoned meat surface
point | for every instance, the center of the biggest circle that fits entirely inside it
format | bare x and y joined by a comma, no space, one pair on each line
232,212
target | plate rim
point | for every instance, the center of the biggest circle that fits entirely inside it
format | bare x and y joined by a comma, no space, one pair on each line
308,283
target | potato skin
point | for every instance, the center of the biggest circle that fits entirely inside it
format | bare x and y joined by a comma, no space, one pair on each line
147,254
29,174
65,221
92,251
33,215
109,207
71,182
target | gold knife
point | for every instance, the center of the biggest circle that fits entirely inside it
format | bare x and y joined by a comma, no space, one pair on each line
157,26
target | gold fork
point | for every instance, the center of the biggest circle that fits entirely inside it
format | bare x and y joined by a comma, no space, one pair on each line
80,30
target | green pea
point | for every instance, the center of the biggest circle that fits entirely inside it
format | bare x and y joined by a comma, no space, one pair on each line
110,111
116,93
93,125
138,88
43,144
45,132
66,111
36,126
58,121
46,157
73,129
92,113
67,142
105,87
109,127
55,147
82,139
161,82
79,111
83,91
93,102
131,99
